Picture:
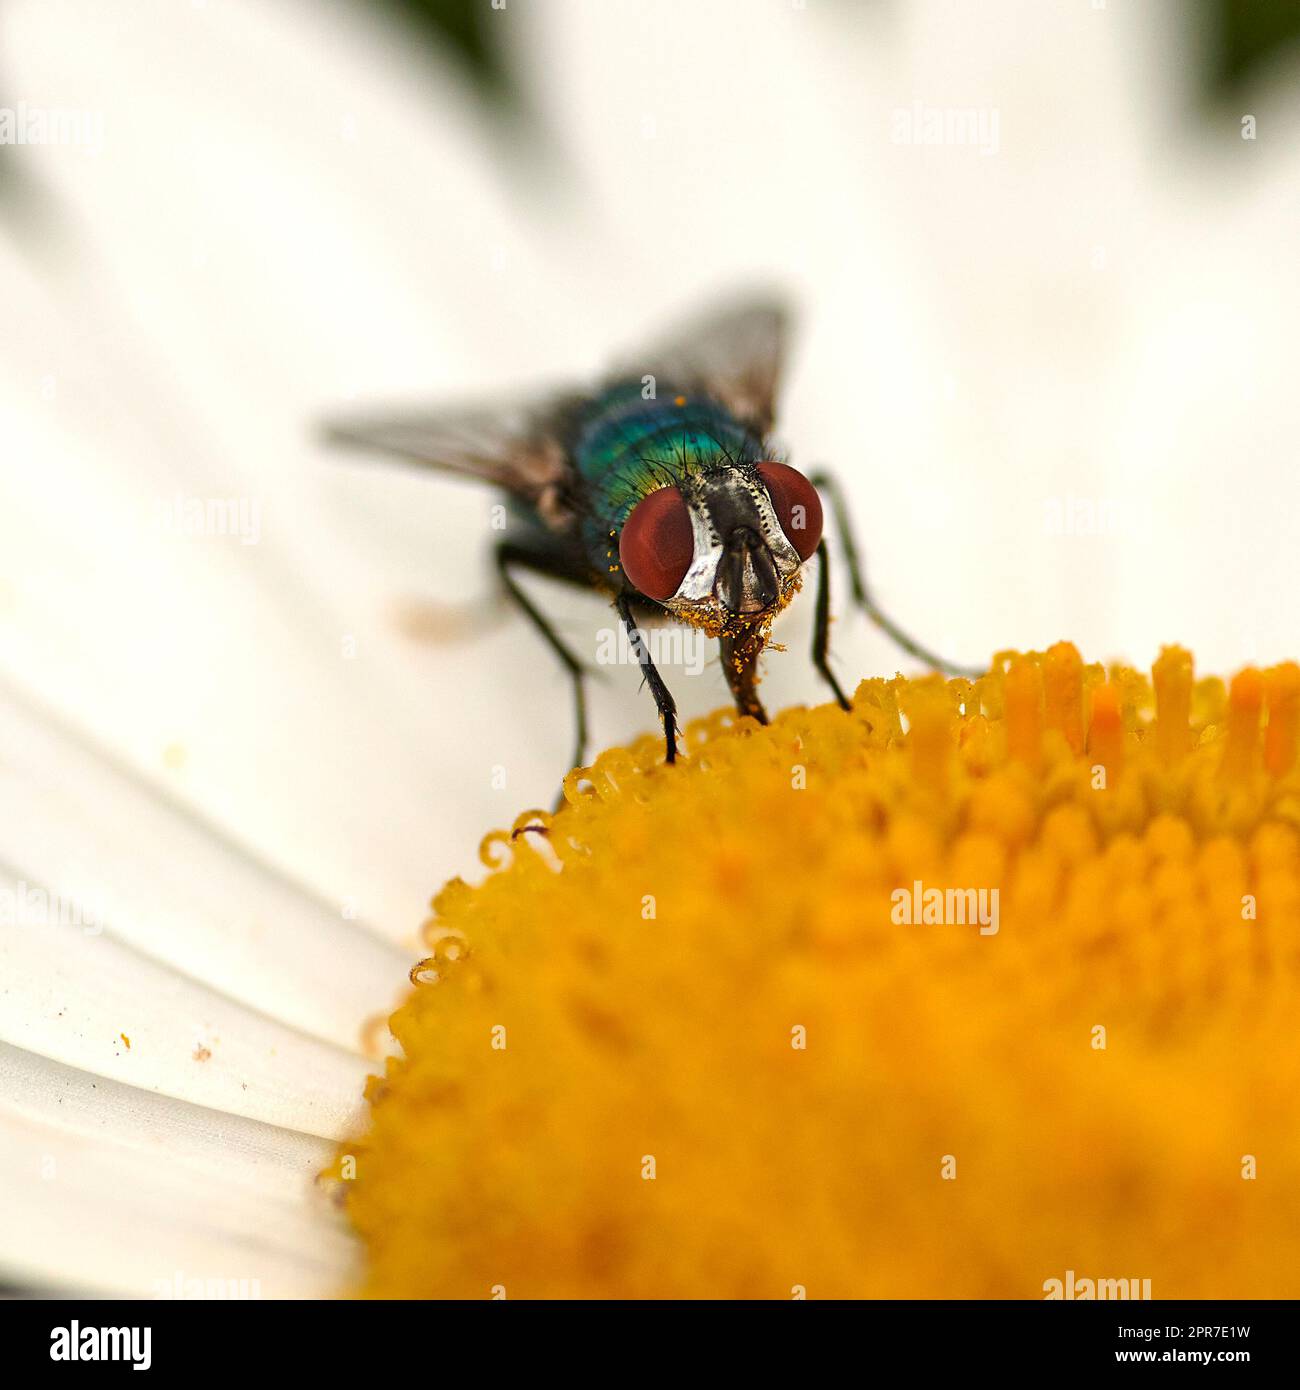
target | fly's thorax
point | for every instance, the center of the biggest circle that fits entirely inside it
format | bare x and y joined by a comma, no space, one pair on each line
625,445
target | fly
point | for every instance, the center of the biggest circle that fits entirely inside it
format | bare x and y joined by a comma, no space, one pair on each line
660,488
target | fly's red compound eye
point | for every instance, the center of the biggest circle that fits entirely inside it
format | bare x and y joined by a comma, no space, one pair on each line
797,506
657,544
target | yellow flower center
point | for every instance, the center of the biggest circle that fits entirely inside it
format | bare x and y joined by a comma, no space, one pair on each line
975,985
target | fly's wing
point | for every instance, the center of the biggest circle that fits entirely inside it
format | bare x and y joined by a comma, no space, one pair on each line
735,352
508,446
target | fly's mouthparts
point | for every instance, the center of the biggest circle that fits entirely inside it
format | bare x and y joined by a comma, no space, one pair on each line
747,581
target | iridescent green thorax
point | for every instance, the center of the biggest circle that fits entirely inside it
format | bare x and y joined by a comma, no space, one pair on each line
625,447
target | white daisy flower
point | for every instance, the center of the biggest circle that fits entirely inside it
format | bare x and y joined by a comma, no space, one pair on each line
233,761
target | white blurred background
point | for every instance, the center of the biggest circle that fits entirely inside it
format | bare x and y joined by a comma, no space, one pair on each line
1054,367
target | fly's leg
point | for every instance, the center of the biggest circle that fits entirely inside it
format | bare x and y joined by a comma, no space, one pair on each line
829,488
664,702
822,626
509,554
740,653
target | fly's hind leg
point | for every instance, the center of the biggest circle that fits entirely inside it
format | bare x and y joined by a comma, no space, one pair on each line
828,487
822,626
509,555
664,701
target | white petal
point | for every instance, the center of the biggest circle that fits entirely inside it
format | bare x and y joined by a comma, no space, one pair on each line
89,1001
191,354
108,1188
132,860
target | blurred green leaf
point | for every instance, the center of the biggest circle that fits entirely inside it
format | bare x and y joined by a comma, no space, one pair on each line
1245,34
465,28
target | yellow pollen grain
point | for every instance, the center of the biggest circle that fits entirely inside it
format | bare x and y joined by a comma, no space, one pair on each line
687,1038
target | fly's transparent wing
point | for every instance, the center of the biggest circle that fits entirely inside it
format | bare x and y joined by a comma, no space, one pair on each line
507,446
735,351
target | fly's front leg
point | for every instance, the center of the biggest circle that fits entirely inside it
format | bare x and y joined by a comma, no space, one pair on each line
828,487
664,702
740,653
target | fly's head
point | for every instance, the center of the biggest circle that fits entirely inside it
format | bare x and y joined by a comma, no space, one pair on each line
724,549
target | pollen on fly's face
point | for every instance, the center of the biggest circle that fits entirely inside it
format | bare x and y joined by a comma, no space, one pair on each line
658,487
717,622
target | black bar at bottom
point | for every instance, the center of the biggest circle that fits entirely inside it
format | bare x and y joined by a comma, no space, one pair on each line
45,1339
